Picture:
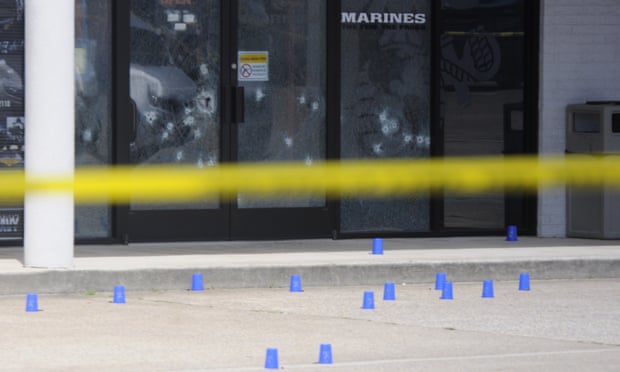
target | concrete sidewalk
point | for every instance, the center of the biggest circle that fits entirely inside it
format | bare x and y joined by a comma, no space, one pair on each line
266,264
559,325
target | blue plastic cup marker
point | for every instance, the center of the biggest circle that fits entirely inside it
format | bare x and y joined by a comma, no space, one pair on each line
197,283
389,292
511,233
271,360
487,289
524,282
369,300
377,246
32,303
446,293
119,294
440,280
295,283
325,355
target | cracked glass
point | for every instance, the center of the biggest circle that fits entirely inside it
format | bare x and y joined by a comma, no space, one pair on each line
93,106
385,104
285,103
174,84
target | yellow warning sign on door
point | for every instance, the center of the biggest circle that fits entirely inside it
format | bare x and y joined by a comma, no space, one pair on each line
253,66
248,57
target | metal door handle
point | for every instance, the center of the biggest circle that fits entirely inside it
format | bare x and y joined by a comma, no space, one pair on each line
238,104
133,133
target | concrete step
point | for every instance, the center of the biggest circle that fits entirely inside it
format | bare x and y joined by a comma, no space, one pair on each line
318,262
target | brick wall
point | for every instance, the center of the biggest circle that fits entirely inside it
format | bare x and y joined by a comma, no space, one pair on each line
579,61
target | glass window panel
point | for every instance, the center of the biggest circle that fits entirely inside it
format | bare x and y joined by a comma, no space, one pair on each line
481,96
285,110
174,82
11,110
93,105
385,109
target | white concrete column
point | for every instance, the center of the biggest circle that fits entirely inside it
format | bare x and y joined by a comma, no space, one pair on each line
49,130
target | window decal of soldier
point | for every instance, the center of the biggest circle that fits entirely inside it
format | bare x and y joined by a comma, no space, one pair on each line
11,83
11,107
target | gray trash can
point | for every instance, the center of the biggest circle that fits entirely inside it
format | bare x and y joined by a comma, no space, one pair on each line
593,128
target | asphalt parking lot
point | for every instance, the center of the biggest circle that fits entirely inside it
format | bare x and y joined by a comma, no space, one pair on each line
558,325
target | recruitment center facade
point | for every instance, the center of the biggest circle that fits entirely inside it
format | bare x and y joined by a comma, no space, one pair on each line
206,82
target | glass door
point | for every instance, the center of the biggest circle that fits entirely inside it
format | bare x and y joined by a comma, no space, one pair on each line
174,85
216,81
482,94
281,70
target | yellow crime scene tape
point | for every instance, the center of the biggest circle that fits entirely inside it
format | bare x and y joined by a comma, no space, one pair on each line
344,178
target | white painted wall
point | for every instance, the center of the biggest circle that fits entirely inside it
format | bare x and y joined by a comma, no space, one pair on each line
580,61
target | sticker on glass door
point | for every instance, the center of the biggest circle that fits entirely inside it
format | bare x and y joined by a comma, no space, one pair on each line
253,66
